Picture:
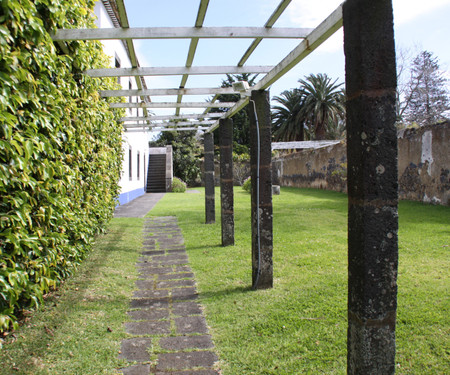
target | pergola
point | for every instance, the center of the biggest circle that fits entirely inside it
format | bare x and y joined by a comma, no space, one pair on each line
371,146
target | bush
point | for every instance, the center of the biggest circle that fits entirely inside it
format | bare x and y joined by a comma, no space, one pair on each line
60,150
178,185
247,185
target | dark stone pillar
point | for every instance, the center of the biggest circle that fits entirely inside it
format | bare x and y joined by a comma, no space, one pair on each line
210,213
262,266
372,186
226,181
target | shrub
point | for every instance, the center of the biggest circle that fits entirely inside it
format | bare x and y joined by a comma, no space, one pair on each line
247,185
178,185
60,150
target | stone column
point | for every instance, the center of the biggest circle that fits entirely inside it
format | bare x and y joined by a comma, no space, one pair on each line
372,186
226,181
210,213
262,233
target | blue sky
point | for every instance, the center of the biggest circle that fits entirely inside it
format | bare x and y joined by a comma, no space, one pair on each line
419,25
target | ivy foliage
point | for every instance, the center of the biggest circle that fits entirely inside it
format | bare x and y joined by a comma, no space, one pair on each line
60,150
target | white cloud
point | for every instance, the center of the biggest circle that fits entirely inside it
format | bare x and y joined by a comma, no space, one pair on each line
307,13
408,10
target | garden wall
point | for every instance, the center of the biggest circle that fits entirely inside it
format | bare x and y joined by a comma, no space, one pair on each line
423,161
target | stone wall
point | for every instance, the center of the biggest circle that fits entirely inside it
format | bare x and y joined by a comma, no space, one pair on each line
324,168
423,165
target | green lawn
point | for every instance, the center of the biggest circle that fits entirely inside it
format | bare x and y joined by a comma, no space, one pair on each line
298,327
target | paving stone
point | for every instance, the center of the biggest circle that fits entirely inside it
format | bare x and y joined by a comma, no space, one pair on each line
161,258
136,370
145,284
174,276
186,342
148,327
148,314
135,349
175,262
149,302
150,293
191,324
190,372
181,361
147,264
152,252
174,283
186,308
178,249
184,293
184,268
156,270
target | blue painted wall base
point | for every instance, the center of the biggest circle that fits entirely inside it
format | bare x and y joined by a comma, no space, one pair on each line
130,195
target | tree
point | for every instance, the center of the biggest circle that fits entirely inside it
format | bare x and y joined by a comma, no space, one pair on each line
427,98
186,153
323,103
288,117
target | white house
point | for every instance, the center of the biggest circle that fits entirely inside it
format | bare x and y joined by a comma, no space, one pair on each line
135,144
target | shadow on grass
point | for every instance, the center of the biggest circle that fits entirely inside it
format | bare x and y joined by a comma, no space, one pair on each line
227,292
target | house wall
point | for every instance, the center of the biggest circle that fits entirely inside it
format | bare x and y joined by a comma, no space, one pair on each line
132,179
423,166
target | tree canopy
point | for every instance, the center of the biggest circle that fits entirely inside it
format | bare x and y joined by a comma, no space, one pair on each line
427,94
315,110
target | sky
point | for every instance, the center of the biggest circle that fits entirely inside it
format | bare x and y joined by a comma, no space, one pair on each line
418,25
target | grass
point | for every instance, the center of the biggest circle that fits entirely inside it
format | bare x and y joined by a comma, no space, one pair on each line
298,327
80,327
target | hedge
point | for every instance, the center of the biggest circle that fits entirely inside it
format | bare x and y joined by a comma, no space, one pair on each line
60,150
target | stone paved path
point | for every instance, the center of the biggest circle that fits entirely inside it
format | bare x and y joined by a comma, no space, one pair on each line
138,207
169,331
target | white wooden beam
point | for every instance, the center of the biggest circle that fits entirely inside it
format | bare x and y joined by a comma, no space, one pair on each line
123,19
192,47
180,129
175,117
168,92
319,35
302,145
167,71
172,105
163,125
147,130
181,33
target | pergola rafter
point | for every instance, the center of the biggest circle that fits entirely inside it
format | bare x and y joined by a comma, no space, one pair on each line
201,13
172,105
176,71
181,33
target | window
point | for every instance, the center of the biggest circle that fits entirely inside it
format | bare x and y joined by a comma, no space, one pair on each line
117,65
138,164
130,163
130,86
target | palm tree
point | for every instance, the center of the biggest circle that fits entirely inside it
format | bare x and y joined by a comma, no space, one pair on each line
287,118
323,103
